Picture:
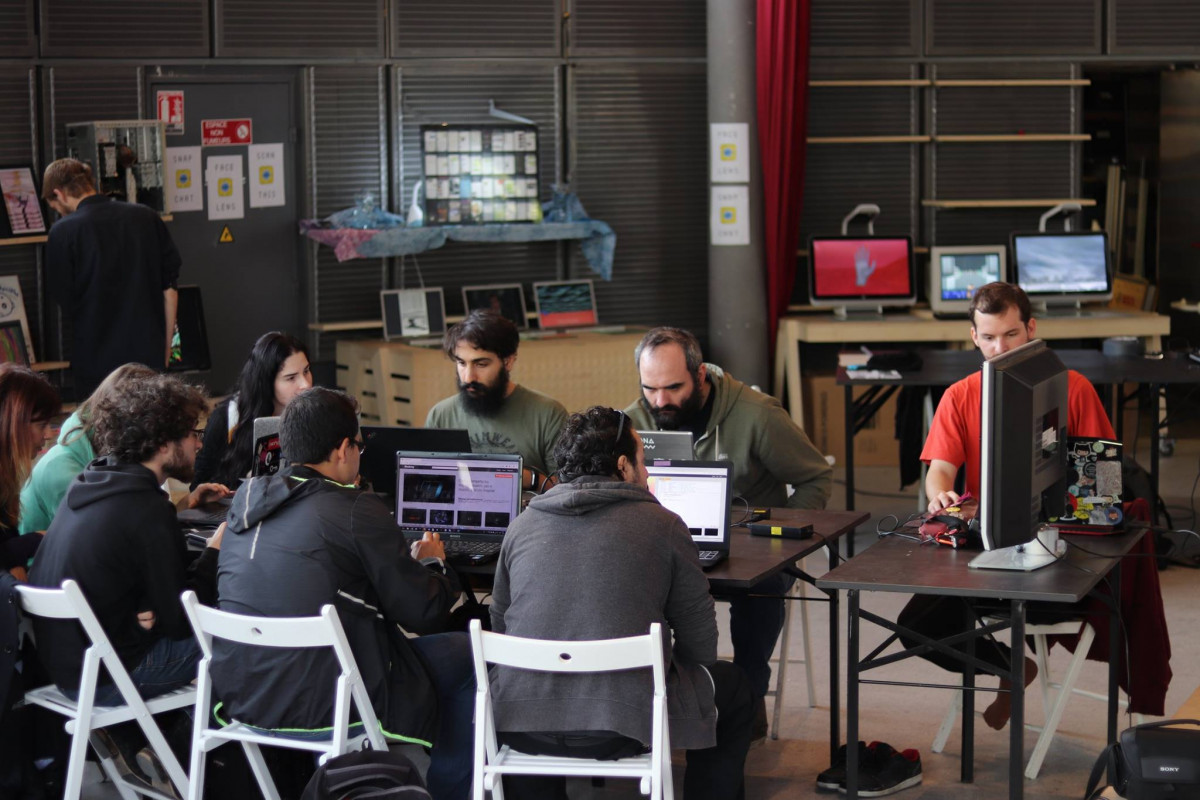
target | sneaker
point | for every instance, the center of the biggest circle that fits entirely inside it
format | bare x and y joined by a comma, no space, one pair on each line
147,761
888,772
830,779
758,732
124,760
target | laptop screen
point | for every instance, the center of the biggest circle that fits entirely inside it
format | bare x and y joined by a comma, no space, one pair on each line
700,493
457,495
565,304
412,312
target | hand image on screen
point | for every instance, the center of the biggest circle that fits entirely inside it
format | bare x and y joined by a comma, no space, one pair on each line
864,265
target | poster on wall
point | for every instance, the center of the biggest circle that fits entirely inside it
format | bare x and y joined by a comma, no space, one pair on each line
730,219
266,175
730,157
223,177
21,201
183,179
12,317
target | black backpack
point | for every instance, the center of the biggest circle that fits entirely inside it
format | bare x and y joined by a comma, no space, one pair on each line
1154,761
363,774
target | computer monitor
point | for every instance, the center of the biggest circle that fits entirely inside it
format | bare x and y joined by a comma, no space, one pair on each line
1062,269
1023,458
471,496
189,345
955,273
565,304
506,299
412,312
861,273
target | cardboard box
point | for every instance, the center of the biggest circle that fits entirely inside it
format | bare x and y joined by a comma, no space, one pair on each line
824,412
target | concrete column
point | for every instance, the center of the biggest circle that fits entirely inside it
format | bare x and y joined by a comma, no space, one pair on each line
737,305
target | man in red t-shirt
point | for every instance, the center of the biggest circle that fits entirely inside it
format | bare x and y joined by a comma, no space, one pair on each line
1001,319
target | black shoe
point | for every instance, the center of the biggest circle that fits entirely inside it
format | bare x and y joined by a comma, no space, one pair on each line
888,772
149,764
758,731
124,760
830,779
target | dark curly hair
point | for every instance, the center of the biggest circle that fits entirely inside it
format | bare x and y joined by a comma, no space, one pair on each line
148,413
316,423
592,442
484,329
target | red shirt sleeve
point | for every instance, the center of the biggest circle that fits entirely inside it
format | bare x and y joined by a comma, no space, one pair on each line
951,428
1086,415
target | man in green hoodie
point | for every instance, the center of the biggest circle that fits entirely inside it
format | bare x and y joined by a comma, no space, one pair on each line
734,422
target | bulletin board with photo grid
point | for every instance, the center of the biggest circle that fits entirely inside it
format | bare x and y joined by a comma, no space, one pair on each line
480,174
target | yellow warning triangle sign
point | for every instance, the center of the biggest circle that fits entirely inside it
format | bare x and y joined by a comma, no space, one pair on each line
226,236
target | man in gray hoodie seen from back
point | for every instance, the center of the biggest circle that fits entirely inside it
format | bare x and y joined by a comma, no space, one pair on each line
597,557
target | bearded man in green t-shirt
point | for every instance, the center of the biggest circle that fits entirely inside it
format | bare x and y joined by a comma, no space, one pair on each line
501,416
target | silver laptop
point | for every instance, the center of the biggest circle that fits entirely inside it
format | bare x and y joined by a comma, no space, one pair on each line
468,499
675,445
700,492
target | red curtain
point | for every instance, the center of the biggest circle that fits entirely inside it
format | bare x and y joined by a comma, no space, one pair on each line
782,74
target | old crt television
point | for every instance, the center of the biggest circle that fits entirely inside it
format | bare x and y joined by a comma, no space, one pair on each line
1023,459
955,273
861,273
1062,269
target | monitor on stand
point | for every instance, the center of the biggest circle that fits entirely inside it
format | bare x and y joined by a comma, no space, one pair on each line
1023,459
862,274
1060,271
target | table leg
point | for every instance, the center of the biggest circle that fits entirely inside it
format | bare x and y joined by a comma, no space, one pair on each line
835,705
787,342
852,698
967,767
848,417
1155,389
1016,723
1116,637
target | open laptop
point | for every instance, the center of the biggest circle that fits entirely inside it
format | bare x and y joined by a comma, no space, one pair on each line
506,299
412,313
568,306
676,445
700,492
377,466
468,499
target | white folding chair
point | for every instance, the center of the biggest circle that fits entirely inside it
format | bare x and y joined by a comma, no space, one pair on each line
799,591
285,632
84,717
1055,694
653,769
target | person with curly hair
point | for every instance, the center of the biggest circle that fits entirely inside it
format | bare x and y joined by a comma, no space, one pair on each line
27,404
600,540
276,371
55,470
116,535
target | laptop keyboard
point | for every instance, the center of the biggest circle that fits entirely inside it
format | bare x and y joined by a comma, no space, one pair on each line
455,546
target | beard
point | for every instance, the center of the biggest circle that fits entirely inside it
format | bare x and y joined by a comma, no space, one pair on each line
179,466
483,400
673,418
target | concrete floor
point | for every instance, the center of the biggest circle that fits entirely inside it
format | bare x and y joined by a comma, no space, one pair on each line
904,717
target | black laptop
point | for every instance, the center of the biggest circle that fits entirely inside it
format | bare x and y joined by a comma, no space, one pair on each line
377,467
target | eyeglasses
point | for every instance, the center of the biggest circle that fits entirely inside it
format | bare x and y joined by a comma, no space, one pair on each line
361,445
620,430
198,433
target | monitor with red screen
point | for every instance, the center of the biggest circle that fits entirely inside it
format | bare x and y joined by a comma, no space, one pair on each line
861,272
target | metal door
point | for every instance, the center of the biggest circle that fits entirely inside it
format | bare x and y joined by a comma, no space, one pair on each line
247,267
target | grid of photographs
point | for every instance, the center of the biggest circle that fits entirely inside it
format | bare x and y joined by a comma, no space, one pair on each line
480,174
24,210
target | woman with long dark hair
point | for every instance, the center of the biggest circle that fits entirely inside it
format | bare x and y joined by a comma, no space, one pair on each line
28,404
276,371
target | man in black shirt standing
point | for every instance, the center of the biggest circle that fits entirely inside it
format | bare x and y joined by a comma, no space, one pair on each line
112,267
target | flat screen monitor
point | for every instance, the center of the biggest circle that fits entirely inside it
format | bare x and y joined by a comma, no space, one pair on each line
1062,269
506,299
189,345
412,312
469,496
565,304
852,273
1023,458
955,273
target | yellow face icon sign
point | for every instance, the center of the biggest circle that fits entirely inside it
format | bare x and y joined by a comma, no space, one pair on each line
225,187
728,152
183,178
728,215
266,175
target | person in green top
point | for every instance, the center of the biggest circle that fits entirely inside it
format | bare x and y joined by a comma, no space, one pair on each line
54,471
500,415
734,422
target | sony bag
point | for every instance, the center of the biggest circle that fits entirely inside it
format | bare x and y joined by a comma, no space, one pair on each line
1155,761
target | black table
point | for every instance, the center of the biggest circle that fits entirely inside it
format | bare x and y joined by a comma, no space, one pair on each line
944,367
755,558
902,565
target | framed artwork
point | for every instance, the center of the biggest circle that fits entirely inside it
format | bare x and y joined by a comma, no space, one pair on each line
21,202
12,344
12,310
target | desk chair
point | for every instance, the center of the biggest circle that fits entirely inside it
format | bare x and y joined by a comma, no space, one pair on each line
1055,694
609,655
291,633
84,716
